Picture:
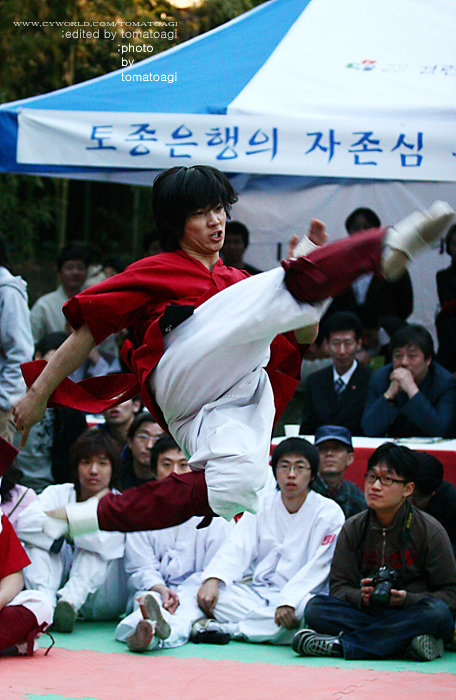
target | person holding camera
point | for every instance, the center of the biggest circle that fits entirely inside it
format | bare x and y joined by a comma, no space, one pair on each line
393,575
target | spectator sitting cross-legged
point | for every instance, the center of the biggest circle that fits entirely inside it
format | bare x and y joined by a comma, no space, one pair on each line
23,614
336,394
393,575
164,568
285,550
87,578
414,395
335,448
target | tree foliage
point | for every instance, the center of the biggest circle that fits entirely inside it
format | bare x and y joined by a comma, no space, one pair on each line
40,58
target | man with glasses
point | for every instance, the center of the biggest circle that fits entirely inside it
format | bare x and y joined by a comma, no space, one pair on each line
273,562
336,394
393,575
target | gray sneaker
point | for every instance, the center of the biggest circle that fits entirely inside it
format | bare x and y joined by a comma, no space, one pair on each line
306,642
425,648
151,611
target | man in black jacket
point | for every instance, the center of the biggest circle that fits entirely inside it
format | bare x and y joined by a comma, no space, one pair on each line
393,575
336,395
434,495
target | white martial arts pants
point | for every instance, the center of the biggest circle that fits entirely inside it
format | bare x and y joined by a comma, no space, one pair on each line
97,588
253,614
214,392
180,622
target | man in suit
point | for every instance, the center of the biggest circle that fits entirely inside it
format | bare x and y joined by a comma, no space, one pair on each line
413,396
336,395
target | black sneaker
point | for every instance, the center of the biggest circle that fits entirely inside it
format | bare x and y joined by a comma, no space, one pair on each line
309,643
206,631
425,648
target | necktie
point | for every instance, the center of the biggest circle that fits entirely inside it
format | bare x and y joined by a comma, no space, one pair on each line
339,386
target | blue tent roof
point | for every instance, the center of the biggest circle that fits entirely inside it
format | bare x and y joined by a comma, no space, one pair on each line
211,69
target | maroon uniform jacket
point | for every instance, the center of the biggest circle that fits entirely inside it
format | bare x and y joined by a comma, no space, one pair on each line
136,299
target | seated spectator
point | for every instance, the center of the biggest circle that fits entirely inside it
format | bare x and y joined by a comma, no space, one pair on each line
46,457
24,615
135,465
285,549
445,321
393,575
14,497
119,418
413,395
336,395
434,495
335,448
235,245
87,578
46,315
164,568
371,292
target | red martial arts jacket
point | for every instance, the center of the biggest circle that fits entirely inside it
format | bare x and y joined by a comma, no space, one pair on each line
136,299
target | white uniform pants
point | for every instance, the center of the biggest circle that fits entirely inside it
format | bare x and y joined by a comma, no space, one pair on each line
254,615
97,588
180,622
214,392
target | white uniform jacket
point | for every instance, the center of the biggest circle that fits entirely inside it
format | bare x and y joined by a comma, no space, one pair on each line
172,555
288,554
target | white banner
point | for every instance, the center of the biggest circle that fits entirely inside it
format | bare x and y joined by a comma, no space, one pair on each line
360,147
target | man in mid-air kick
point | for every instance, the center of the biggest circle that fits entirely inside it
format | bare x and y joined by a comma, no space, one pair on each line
206,345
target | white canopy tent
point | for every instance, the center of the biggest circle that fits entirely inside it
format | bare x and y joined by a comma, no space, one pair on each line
318,107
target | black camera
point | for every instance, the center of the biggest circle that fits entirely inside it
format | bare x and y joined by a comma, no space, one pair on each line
383,580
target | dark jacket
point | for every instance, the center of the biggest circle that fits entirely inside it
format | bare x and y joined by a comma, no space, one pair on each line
442,507
322,406
430,563
382,299
348,496
431,412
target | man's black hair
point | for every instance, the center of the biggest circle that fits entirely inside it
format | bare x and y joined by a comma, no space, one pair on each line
370,215
73,251
237,228
51,341
179,191
397,458
90,443
342,321
163,444
429,475
414,334
296,446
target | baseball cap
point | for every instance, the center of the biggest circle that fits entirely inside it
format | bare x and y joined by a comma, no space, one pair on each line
333,432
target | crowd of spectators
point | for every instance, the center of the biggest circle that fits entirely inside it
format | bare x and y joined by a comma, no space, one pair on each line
307,568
